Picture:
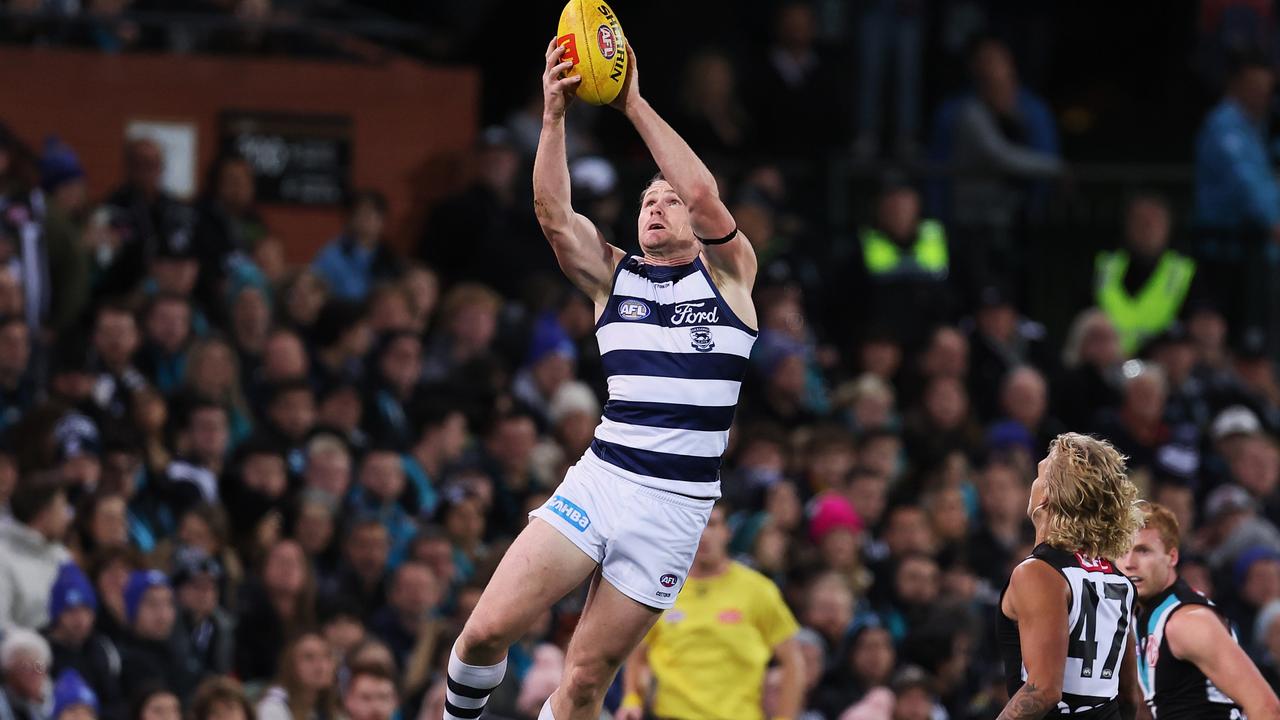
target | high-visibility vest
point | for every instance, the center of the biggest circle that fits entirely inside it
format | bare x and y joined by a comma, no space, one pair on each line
928,255
1156,305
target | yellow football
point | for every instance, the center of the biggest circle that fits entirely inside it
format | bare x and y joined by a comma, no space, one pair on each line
594,43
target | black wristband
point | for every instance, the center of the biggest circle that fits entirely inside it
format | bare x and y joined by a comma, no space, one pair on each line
722,240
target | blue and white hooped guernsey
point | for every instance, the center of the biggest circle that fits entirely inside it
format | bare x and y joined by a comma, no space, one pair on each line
674,355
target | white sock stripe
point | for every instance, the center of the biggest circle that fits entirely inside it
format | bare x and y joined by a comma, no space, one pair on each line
476,676
465,702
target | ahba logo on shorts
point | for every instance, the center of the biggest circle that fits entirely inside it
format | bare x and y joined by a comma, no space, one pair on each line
633,310
604,38
574,515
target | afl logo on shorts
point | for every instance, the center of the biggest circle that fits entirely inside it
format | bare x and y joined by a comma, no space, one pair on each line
632,309
604,37
700,338
667,580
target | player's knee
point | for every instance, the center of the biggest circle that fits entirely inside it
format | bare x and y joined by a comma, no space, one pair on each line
587,680
484,637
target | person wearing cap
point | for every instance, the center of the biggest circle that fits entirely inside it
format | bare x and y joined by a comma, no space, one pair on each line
24,667
352,262
76,645
1001,341
835,527
1232,525
708,654
152,650
905,261
70,264
73,699
1189,664
1142,286
201,620
32,550
549,364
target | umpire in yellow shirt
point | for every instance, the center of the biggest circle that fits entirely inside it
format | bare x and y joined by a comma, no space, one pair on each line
706,657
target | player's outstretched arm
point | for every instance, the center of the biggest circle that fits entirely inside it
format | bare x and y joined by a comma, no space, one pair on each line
1039,603
1196,634
690,178
581,250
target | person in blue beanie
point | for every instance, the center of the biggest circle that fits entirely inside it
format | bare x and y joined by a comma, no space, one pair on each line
79,648
153,651
70,263
73,699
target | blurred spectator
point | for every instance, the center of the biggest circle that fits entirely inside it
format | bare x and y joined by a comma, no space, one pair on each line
162,358
62,180
468,322
488,233
1091,364
1142,287
1137,428
380,484
146,217
31,550
361,576
207,628
712,118
341,339
228,228
115,340
1237,202
353,262
76,646
1232,526
1000,342
868,663
153,650
306,685
275,605
999,139
905,262
155,702
24,659
370,694
17,383
73,699
791,103
889,36
220,698
550,363
107,28
406,620
395,372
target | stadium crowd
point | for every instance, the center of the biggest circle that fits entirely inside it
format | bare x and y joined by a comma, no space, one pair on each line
232,487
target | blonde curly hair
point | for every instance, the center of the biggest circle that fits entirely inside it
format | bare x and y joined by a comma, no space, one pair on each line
1092,507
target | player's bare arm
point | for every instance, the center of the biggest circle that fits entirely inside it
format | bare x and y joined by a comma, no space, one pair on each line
587,260
1131,704
1037,601
1198,635
791,695
733,261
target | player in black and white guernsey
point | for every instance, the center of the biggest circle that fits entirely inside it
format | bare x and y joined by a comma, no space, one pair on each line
1189,663
675,326
1063,626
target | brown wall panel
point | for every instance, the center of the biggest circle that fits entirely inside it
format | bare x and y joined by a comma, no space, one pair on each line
411,122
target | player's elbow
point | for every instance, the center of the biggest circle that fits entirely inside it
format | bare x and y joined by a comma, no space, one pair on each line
1047,691
1267,709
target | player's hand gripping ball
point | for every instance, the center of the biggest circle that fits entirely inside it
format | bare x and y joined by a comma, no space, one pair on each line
592,38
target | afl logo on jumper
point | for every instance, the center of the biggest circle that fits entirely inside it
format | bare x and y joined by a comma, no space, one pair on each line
1153,650
633,310
604,37
701,340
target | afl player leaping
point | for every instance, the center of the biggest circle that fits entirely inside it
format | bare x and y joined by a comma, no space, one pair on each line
675,327
1064,621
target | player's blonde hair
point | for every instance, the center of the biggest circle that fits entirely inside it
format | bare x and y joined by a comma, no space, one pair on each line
1092,507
